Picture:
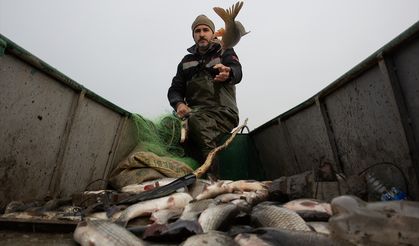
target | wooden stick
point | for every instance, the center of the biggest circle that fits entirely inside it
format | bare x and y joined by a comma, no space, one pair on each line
208,162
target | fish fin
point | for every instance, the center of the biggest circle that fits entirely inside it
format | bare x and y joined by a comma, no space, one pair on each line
235,9
230,13
220,32
222,13
122,221
211,176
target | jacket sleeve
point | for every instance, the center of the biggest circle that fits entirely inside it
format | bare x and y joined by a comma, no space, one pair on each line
230,59
176,92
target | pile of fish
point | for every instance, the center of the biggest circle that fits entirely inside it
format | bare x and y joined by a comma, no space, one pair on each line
220,213
226,213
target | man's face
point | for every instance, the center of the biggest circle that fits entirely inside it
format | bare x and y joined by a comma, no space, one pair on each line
202,35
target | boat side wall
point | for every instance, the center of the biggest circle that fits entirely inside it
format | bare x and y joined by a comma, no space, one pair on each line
368,116
57,137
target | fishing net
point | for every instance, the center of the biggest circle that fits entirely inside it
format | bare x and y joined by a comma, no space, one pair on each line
158,153
162,138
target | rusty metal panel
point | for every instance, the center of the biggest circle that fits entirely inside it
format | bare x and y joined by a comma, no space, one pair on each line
274,152
366,123
407,64
34,109
308,137
89,147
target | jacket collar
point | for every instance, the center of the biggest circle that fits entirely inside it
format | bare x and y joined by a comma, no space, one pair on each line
193,49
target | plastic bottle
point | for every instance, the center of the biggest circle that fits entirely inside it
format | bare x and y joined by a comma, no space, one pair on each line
393,195
384,194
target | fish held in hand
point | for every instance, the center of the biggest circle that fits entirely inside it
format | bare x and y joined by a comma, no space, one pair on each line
233,30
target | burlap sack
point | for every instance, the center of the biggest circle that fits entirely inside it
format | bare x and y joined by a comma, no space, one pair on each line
140,166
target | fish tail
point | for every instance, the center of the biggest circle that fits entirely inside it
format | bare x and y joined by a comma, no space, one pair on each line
230,13
235,9
222,13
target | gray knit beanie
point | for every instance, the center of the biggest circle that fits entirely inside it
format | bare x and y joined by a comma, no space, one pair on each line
203,20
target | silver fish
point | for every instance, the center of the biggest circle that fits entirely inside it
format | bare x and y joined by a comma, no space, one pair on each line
243,206
100,216
247,185
213,238
255,197
375,223
227,197
312,215
103,232
194,209
214,190
233,30
163,216
198,187
320,227
270,215
20,206
308,204
144,186
247,239
176,200
47,215
216,217
275,236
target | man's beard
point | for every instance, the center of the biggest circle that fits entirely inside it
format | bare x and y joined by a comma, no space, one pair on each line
203,48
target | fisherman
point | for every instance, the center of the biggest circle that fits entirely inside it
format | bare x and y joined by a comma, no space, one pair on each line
203,90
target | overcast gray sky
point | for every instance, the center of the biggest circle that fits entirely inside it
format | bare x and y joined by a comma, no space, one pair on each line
127,51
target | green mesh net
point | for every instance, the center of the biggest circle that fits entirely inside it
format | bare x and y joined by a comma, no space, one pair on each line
162,137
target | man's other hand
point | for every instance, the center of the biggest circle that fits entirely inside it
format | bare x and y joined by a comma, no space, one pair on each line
224,72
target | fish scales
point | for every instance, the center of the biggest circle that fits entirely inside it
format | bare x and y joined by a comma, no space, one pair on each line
246,239
103,232
215,217
276,236
213,238
278,217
